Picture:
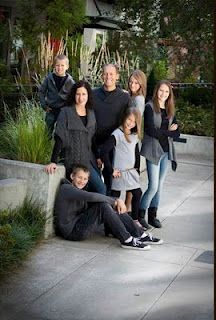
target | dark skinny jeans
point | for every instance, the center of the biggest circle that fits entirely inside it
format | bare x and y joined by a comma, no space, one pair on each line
121,225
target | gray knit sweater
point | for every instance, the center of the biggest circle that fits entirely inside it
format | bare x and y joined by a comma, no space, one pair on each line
76,138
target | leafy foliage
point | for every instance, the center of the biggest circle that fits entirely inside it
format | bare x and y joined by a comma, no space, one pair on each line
184,27
198,96
158,72
195,120
191,28
56,16
20,230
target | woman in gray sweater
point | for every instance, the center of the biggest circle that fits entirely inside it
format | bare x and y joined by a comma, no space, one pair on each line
74,133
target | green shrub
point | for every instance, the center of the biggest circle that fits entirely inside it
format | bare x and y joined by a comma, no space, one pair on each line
160,69
195,120
20,230
25,137
199,96
158,72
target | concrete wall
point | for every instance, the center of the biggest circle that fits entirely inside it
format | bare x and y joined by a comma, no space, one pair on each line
197,146
40,186
11,188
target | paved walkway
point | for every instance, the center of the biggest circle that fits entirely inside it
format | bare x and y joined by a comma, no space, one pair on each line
98,280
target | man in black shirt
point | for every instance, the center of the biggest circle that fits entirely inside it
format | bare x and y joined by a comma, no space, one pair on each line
110,102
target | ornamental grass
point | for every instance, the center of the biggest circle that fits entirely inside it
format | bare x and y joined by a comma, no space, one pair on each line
24,137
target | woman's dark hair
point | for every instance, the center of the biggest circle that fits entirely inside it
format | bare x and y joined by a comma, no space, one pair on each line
81,84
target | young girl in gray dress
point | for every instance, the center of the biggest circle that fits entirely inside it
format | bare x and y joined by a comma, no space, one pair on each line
126,163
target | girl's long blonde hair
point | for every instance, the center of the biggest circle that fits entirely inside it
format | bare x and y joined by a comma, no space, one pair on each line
137,128
141,79
169,103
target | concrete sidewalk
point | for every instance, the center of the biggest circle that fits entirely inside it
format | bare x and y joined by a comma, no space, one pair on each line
97,280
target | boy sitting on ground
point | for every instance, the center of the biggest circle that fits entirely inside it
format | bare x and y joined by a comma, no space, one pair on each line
79,213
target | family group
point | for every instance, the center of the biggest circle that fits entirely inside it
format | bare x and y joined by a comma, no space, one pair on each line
98,137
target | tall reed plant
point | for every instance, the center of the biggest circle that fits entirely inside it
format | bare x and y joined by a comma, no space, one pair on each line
25,137
84,64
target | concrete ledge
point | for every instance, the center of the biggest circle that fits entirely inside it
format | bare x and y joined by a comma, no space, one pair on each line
12,193
41,187
200,146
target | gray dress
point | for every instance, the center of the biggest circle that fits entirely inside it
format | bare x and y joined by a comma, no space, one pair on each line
124,160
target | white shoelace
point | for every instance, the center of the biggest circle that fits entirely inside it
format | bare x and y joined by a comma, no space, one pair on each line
136,241
150,236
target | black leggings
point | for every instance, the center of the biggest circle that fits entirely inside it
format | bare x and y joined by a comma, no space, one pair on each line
135,204
121,225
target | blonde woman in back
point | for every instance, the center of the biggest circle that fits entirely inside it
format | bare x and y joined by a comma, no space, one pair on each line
137,84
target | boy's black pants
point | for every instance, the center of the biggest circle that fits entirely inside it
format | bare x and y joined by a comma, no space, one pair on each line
121,225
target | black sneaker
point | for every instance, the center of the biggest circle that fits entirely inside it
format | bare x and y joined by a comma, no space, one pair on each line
135,244
149,239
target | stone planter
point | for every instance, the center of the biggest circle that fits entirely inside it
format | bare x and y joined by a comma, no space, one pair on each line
196,146
39,186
